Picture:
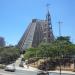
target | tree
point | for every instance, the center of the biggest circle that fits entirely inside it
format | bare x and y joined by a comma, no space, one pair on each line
58,48
30,53
8,54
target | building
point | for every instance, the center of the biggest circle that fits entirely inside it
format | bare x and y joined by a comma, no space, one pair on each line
2,42
38,31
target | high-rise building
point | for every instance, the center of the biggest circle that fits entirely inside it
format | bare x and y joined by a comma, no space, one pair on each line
38,31
2,42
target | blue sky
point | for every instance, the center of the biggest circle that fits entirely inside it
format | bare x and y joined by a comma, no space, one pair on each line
15,15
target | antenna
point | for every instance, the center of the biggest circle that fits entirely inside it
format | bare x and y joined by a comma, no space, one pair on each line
59,22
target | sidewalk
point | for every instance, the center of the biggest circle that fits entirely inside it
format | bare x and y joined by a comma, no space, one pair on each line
29,68
67,72
56,71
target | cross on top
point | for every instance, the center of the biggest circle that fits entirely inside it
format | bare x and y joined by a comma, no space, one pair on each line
47,5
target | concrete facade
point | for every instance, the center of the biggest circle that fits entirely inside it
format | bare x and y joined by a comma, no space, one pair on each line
2,42
38,31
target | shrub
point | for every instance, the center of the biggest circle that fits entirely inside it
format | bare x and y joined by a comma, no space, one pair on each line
2,66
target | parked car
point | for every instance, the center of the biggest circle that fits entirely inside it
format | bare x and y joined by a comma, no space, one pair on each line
10,68
43,73
21,64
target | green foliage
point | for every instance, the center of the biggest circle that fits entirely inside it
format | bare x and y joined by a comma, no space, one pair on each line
58,48
61,38
8,54
2,66
31,52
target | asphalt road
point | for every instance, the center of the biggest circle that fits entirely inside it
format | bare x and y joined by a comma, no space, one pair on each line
17,72
23,72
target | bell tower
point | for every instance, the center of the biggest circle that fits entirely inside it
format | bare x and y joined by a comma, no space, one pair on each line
48,19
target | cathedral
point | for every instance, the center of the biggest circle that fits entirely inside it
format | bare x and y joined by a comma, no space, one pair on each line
37,31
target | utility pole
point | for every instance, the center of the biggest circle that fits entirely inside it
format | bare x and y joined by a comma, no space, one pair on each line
59,22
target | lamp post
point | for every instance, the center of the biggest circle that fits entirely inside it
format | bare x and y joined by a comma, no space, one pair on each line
59,62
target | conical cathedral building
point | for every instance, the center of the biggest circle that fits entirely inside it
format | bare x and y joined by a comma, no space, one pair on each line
38,31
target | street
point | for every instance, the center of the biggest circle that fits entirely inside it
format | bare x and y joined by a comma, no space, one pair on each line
17,72
24,72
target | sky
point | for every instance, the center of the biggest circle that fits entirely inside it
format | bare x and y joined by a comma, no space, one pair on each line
15,16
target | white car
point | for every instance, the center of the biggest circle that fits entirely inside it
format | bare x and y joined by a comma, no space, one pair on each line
10,68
